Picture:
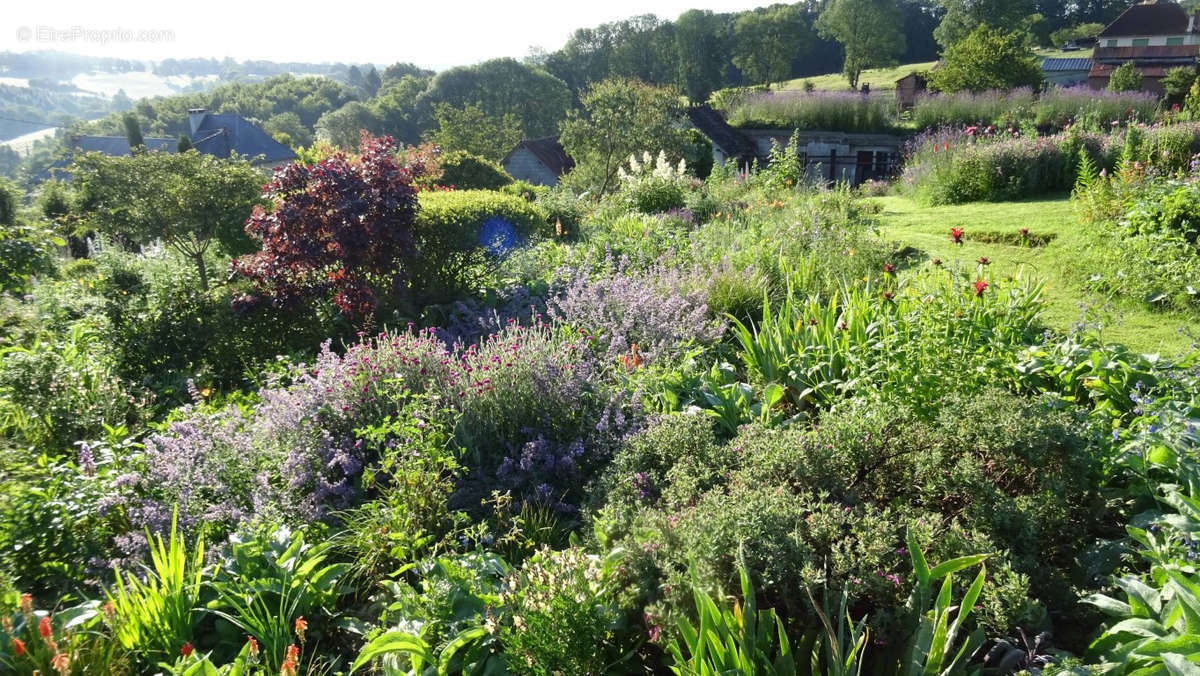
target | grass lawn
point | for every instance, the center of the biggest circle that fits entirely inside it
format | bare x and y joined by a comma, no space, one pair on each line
885,78
927,230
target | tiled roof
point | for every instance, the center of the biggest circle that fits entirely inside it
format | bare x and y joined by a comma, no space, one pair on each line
1057,65
118,145
225,133
1159,18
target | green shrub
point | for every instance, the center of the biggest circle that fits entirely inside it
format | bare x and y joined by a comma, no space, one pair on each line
25,251
462,232
465,171
563,206
525,190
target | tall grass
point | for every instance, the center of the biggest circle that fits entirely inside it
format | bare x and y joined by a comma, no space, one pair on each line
1060,107
1052,110
998,108
829,111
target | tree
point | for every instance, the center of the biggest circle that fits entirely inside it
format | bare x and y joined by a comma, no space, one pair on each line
372,82
188,200
184,144
1177,83
395,108
343,127
702,53
471,130
1081,31
964,16
871,33
987,59
1126,78
8,203
343,227
767,41
619,118
500,86
133,132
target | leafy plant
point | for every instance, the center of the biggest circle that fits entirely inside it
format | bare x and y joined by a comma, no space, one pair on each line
931,649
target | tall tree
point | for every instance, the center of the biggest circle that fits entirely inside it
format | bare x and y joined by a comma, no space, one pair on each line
372,82
701,53
619,118
964,16
472,130
987,59
133,132
500,86
871,33
343,127
767,41
188,200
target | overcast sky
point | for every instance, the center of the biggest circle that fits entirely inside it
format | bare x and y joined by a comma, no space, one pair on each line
431,33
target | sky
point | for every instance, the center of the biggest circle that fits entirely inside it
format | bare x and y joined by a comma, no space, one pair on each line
431,33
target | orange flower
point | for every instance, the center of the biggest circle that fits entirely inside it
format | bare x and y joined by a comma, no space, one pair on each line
253,646
61,662
288,668
27,603
301,627
18,647
186,650
110,609
44,628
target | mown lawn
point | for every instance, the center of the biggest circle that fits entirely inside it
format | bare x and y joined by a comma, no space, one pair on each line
927,229
885,78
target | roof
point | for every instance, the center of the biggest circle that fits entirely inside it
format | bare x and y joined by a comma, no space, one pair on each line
225,133
548,151
1157,53
713,125
915,75
1159,18
1058,65
118,145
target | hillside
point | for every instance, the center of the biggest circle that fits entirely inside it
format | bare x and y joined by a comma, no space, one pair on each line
885,78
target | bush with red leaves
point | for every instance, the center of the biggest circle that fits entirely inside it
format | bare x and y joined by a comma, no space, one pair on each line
342,227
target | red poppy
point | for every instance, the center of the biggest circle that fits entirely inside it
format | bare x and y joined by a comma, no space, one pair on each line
18,647
956,235
980,287
186,650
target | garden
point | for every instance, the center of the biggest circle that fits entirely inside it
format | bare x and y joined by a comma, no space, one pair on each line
416,417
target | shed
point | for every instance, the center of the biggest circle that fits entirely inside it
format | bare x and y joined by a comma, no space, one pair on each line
540,161
908,88
1066,72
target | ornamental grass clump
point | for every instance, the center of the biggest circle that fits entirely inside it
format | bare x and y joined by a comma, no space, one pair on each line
826,111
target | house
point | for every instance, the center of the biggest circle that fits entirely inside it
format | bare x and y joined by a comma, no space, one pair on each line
1066,72
728,143
1154,36
540,161
219,135
831,155
908,88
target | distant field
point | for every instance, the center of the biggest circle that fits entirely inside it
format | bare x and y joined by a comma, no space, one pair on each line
885,78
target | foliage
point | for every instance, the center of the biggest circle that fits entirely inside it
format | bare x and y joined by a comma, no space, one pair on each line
988,58
619,118
189,200
870,31
833,111
767,40
465,171
471,130
652,185
462,234
25,252
339,227
1125,78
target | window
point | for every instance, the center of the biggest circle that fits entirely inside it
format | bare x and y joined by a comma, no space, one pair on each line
1111,43
1141,42
1174,41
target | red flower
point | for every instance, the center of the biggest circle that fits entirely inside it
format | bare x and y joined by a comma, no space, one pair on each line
253,646
888,268
980,287
302,624
44,627
983,260
186,650
27,603
888,295
288,668
18,647
956,235
937,262
1024,232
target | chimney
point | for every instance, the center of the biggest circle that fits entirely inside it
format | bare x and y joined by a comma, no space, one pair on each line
195,117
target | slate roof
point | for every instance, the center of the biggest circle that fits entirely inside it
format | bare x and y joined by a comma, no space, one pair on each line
548,151
1159,18
118,145
221,134
713,125
1058,65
